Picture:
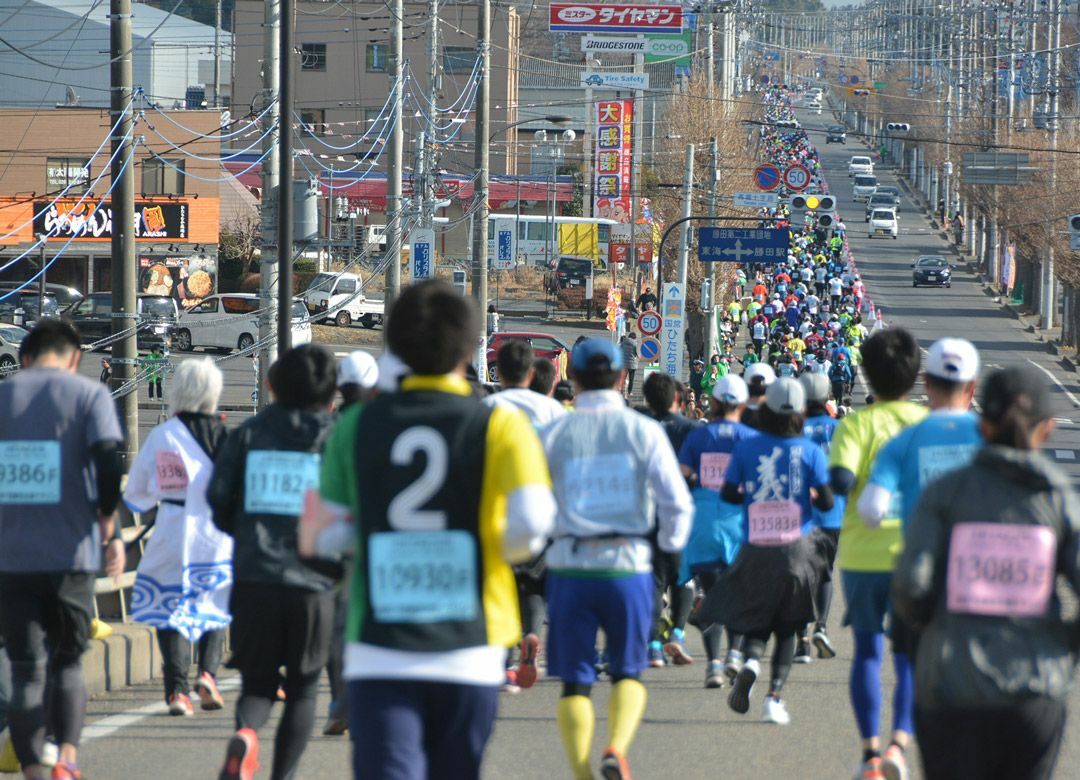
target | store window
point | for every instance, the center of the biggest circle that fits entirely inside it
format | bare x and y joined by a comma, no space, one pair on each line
313,56
377,57
458,59
163,176
61,172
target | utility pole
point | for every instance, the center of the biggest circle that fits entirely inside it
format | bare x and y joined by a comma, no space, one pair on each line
684,232
271,184
285,188
636,146
1047,301
711,340
217,55
394,237
480,217
710,54
124,351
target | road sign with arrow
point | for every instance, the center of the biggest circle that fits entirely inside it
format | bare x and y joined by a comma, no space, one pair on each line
742,245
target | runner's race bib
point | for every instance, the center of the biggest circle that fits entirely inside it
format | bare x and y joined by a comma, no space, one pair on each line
171,471
713,467
774,523
275,481
29,472
940,459
1000,570
423,576
602,485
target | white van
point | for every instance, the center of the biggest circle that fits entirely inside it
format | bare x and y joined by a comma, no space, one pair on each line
229,322
863,187
343,296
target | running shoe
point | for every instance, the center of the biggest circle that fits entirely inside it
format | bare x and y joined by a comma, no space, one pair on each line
870,770
714,674
208,693
335,724
802,652
241,756
774,711
9,762
657,660
614,766
50,754
733,664
739,698
527,671
510,685
824,647
600,662
676,648
180,704
65,771
894,764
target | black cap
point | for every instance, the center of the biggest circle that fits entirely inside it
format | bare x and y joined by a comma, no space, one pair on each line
1015,385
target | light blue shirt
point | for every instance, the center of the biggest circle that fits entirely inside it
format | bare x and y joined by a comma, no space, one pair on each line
918,455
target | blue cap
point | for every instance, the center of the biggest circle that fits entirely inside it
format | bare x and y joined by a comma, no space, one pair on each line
596,354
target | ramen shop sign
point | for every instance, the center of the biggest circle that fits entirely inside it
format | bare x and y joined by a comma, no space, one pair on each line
615,17
84,222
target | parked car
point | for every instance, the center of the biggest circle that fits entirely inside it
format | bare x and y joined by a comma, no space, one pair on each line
883,223
836,134
28,302
92,317
879,200
228,322
569,271
342,292
864,186
10,338
65,296
931,271
860,166
544,345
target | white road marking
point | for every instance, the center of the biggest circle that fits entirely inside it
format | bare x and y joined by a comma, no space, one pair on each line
1056,381
1065,454
111,724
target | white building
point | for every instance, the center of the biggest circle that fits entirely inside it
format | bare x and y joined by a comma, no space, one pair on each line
57,53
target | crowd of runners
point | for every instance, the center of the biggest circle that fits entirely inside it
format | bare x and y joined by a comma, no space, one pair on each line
430,542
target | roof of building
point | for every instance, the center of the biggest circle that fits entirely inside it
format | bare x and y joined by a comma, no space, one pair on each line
145,21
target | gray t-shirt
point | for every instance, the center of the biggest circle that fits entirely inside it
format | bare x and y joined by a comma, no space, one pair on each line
49,420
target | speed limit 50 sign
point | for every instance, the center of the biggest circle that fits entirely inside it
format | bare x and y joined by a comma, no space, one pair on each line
796,178
649,323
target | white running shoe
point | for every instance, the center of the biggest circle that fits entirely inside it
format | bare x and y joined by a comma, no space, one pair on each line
774,711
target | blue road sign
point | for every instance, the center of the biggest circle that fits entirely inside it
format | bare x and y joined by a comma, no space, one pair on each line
649,349
766,176
771,56
742,245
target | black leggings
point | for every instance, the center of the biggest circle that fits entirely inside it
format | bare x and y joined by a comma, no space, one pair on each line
666,575
783,653
253,710
175,658
711,634
1018,743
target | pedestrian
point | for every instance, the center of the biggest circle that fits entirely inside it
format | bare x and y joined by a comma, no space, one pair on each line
515,360
282,606
424,665
616,482
56,428
357,378
155,363
779,478
983,552
866,555
106,371
628,346
184,578
492,320
646,301
716,535
840,376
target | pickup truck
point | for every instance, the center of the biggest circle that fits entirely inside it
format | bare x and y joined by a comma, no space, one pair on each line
342,295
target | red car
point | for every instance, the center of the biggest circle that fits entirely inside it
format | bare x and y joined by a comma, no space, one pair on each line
544,345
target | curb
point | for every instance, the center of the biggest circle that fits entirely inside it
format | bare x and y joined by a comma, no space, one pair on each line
126,657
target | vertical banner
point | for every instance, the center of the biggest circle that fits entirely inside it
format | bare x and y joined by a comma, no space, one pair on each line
671,335
505,254
614,146
422,254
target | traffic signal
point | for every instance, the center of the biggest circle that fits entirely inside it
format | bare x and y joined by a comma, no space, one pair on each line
706,295
826,203
826,220
898,127
1074,232
798,203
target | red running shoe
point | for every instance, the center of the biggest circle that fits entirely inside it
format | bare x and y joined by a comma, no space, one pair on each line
209,695
241,756
527,673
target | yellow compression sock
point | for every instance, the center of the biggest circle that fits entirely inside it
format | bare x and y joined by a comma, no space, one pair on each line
577,722
625,710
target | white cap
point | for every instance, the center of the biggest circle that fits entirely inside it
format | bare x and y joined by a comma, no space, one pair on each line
954,360
391,370
786,396
358,368
761,371
731,389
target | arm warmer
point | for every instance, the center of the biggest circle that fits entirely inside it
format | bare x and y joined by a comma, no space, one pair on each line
842,480
105,455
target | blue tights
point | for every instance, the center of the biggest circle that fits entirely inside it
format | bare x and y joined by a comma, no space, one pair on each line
866,686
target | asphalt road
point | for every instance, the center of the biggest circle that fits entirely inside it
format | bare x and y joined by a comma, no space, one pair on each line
688,732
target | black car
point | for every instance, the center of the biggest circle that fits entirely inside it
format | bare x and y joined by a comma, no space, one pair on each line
889,189
571,272
92,317
836,134
931,271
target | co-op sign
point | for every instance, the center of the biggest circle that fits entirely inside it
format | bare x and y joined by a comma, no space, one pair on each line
654,47
615,17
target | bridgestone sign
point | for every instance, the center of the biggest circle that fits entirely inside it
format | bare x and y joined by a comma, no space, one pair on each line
624,45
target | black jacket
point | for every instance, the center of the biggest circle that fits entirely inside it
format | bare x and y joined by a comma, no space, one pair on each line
265,544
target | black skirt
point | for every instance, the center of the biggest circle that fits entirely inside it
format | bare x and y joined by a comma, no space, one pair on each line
769,588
